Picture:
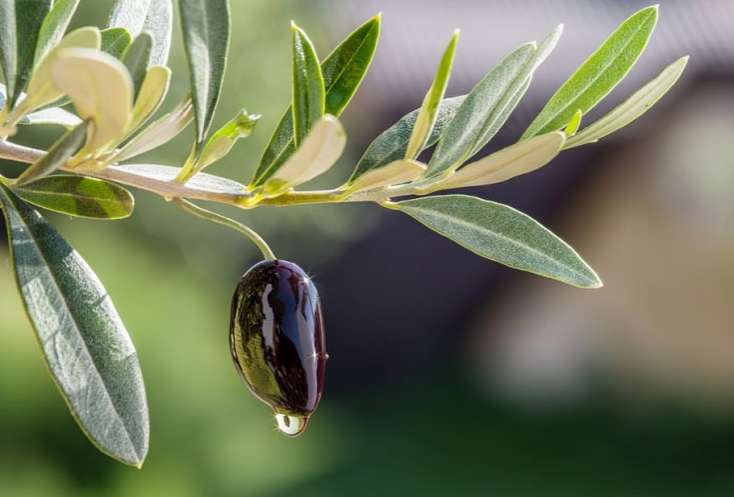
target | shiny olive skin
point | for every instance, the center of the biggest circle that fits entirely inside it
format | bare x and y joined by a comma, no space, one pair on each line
277,338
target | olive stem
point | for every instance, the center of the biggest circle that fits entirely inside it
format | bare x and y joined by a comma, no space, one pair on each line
230,223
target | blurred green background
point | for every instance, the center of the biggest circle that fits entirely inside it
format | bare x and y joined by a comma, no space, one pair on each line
457,420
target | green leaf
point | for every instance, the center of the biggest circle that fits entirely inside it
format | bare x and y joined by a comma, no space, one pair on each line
137,59
343,71
632,108
222,141
429,110
61,151
482,112
78,196
85,345
599,74
53,27
101,89
205,25
521,158
502,234
159,132
392,143
319,151
152,92
308,86
203,182
152,16
115,41
573,125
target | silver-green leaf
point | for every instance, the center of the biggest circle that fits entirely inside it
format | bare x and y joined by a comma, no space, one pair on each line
53,27
115,41
152,16
502,234
84,342
137,59
599,74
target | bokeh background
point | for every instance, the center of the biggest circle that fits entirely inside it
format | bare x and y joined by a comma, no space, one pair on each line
449,375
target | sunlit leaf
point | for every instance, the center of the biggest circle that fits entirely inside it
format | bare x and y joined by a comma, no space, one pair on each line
137,58
203,182
151,16
85,345
343,71
56,156
53,27
115,41
205,25
78,196
394,173
222,141
159,132
573,125
101,89
308,86
319,151
53,116
429,110
502,234
152,92
632,108
599,74
520,158
392,143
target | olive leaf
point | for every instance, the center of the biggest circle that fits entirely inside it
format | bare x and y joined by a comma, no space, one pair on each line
599,74
394,173
343,71
115,41
392,143
61,151
573,125
205,25
41,89
429,110
521,158
319,151
502,234
20,23
632,108
101,89
159,132
308,86
151,16
53,27
151,95
84,342
203,182
137,58
222,141
78,196
55,116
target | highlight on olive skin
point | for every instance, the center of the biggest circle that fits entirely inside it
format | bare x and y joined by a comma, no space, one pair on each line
277,341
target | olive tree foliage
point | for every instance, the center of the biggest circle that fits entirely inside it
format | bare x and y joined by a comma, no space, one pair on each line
101,86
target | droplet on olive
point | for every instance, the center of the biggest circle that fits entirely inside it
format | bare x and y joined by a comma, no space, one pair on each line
277,341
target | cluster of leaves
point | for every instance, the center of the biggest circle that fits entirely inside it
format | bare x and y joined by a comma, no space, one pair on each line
116,79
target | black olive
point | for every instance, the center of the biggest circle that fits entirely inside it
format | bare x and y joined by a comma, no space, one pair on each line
277,340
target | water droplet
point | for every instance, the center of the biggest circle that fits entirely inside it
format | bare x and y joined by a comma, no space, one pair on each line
291,425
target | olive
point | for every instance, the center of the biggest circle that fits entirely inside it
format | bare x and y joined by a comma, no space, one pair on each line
277,340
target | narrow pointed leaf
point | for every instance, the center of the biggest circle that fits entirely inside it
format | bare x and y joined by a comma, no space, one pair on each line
52,116
152,16
101,89
599,74
429,110
501,234
8,46
115,41
481,112
394,173
205,25
159,132
61,151
137,59
392,143
222,141
78,196
343,71
203,182
53,27
85,345
573,125
521,158
318,152
632,108
151,94
308,86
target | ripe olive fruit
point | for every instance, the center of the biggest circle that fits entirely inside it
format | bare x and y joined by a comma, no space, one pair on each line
277,340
